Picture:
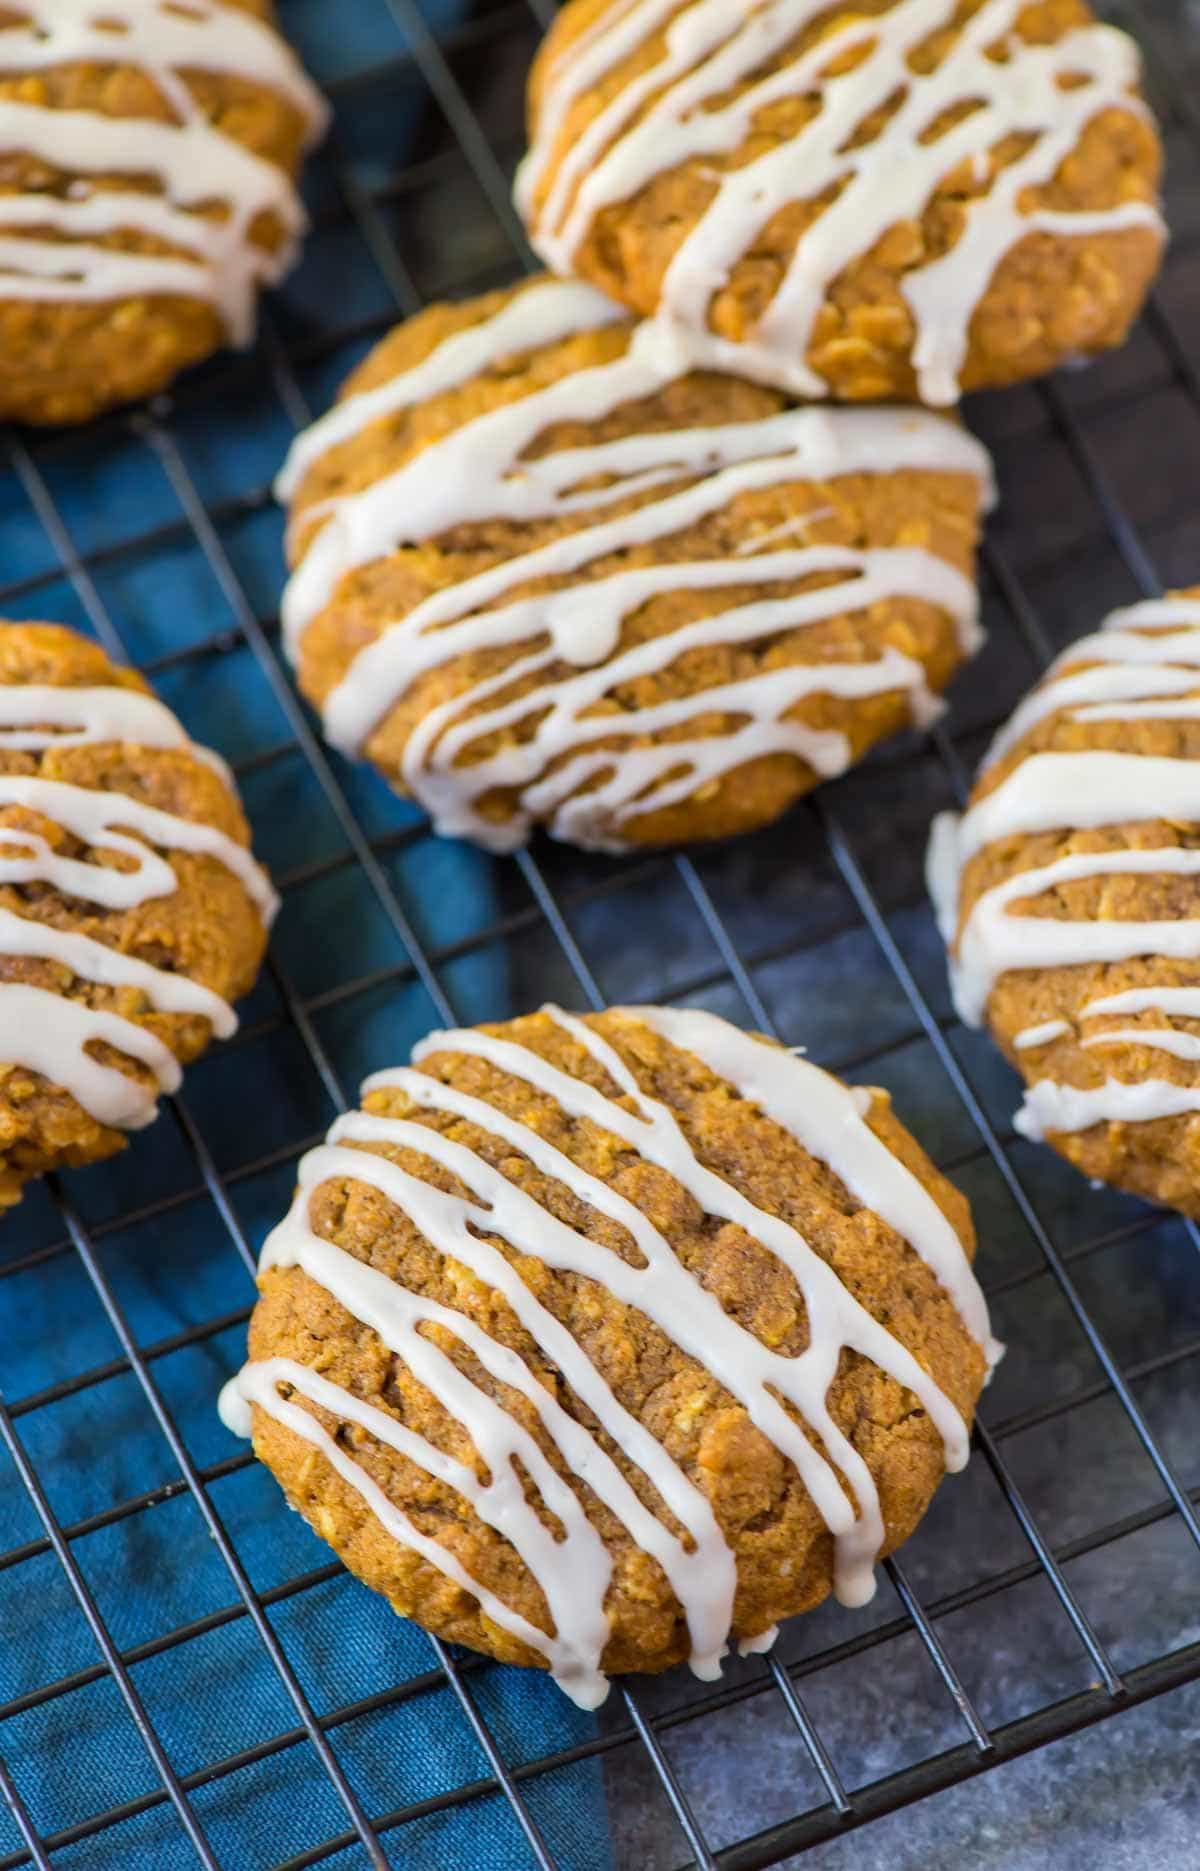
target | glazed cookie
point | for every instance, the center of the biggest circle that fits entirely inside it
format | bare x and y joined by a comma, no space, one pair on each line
594,1343
545,574
131,911
147,191
898,198
1068,895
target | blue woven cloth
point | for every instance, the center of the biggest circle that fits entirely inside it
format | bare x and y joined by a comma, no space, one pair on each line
155,1569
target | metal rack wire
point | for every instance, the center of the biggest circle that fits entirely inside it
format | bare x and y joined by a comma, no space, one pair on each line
752,930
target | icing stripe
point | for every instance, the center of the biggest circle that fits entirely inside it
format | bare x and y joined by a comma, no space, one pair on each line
50,1035
259,1383
94,961
824,1116
1181,1045
1032,1036
1094,788
481,471
193,159
543,314
162,39
93,816
1049,1106
649,777
1164,1000
36,716
664,117
47,1032
1184,1001
991,942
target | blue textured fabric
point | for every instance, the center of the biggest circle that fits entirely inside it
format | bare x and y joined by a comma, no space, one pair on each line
155,1569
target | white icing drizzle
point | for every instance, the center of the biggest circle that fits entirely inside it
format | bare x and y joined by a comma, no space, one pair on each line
1184,1001
43,1031
545,313
500,1503
829,1120
1143,663
787,530
1084,791
1139,662
651,777
194,160
1182,1045
1041,1035
46,1034
664,118
94,817
1049,1106
479,472
36,716
758,1646
992,942
574,1573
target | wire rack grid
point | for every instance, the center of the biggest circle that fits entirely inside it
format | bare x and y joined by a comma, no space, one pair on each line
1049,1589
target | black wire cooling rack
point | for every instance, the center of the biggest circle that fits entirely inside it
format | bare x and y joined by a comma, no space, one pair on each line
1050,1588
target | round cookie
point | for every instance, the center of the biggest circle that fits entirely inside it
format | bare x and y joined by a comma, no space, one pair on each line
1069,896
594,1343
545,574
899,198
131,910
147,192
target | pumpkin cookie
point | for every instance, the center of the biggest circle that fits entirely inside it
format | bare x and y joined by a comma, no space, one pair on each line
147,191
595,1343
898,198
547,574
131,910
1070,896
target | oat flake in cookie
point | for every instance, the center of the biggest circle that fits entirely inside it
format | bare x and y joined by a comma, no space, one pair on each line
895,198
147,191
546,573
599,1343
131,910
1068,894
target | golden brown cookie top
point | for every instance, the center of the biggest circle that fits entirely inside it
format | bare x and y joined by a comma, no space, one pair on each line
828,196
191,122
531,536
1068,889
608,1327
131,910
